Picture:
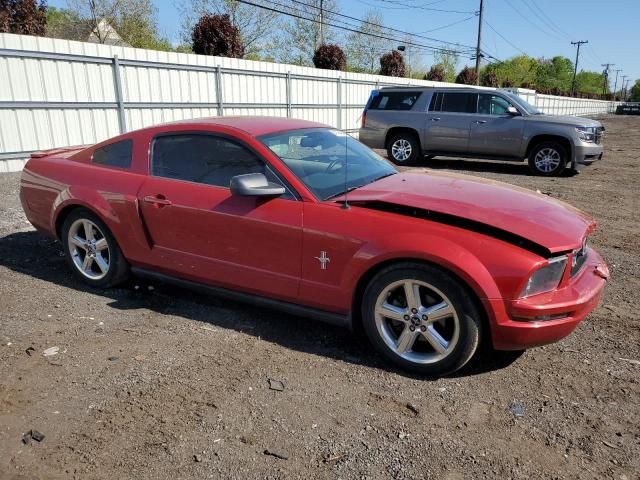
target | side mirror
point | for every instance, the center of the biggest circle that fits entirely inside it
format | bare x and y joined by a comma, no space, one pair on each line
254,185
513,111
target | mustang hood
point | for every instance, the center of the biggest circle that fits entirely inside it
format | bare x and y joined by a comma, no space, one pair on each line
531,216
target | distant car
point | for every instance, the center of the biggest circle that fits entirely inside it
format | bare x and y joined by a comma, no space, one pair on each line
295,215
413,122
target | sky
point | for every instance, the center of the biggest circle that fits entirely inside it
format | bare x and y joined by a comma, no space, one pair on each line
539,28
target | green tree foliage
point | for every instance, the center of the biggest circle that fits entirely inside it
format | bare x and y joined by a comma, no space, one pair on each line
216,35
329,57
64,23
635,92
448,60
554,73
467,76
589,82
26,17
392,64
436,73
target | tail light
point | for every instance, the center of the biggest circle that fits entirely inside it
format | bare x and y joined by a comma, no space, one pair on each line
364,119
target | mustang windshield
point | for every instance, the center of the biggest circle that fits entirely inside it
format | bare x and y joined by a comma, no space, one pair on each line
319,157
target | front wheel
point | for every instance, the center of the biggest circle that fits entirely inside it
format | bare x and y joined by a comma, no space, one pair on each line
547,159
421,318
92,251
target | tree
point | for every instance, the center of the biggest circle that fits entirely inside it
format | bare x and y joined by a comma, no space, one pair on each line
392,64
64,23
557,72
364,46
329,57
256,25
216,35
467,76
635,92
518,69
25,17
141,33
589,82
116,14
301,37
436,73
448,59
489,79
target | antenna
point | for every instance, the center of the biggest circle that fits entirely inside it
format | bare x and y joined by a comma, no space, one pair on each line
345,205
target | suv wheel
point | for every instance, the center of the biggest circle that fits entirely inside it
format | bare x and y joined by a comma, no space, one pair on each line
403,148
548,159
421,318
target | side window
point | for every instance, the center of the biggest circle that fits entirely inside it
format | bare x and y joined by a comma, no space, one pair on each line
459,102
202,159
492,104
394,100
116,154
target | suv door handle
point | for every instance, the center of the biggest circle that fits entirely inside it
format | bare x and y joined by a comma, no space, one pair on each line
479,122
157,200
437,119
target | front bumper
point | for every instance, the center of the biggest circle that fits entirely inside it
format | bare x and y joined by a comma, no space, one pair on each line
587,153
515,324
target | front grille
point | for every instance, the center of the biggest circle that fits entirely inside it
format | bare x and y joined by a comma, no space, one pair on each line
599,135
579,257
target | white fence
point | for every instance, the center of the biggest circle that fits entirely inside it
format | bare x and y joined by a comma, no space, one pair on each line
56,93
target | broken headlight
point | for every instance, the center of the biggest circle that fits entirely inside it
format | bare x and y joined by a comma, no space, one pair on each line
545,278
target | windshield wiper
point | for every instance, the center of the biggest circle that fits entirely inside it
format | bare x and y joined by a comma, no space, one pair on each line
350,189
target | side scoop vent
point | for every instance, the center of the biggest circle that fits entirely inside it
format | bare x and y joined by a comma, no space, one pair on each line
459,222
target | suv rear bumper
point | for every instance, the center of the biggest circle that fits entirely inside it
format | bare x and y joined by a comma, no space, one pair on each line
372,138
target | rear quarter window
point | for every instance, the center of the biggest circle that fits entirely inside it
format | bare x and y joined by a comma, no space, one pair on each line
116,154
395,100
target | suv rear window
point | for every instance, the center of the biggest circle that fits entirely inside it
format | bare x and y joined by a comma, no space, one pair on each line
457,102
116,154
394,100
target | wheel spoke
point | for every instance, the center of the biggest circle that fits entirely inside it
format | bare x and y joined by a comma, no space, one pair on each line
412,294
392,312
436,340
406,340
78,242
88,231
101,244
439,312
101,262
87,263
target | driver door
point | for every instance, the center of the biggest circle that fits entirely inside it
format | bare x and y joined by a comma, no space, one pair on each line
200,231
493,131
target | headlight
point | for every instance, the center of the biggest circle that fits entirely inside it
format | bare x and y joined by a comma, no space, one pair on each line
586,134
546,278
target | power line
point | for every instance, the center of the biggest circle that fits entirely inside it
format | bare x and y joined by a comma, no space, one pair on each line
421,7
527,19
449,25
504,38
550,22
342,27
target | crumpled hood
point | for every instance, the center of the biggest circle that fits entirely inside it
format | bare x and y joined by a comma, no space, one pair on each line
538,218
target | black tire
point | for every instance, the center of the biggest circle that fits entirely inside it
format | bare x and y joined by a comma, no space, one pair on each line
410,142
118,267
454,294
554,148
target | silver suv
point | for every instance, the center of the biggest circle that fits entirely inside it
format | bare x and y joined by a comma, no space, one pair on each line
413,122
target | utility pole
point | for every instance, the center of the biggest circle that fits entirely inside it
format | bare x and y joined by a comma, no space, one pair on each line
575,69
478,52
615,84
622,87
605,74
321,22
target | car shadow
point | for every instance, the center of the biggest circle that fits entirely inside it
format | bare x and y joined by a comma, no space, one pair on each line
31,253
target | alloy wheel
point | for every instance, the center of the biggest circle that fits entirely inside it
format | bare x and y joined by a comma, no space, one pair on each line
401,150
89,249
547,160
417,321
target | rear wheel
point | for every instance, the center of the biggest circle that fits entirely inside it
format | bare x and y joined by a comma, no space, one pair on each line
548,159
403,148
421,318
92,251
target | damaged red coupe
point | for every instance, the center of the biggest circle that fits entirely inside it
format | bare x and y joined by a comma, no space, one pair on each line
295,215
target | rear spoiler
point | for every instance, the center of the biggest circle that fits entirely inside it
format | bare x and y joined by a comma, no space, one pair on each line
56,151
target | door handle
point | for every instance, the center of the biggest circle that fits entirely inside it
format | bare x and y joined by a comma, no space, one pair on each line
480,122
157,200
437,119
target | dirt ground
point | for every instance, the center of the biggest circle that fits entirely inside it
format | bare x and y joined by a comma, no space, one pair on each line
164,383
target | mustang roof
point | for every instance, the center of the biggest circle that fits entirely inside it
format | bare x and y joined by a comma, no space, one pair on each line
253,125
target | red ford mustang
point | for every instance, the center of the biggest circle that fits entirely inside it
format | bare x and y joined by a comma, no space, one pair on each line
295,215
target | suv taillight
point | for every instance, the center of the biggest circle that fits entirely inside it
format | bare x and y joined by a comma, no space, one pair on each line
364,119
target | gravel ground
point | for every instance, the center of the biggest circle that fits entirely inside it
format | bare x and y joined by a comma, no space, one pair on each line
164,383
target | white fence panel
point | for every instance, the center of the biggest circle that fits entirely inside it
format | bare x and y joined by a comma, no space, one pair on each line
55,93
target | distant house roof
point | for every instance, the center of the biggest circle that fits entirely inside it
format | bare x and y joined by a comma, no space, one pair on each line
106,34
